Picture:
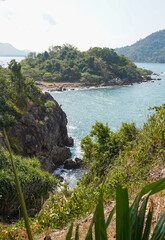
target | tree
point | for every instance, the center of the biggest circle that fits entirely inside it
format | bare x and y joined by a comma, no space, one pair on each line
16,75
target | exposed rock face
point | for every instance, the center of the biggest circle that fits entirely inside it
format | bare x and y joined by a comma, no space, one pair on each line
42,133
70,164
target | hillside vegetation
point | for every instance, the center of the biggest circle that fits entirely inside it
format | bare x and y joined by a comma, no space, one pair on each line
149,49
67,64
16,95
113,158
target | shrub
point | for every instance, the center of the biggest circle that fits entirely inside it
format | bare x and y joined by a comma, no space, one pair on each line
35,185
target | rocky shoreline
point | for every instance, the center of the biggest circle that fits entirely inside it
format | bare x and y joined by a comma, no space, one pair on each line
64,86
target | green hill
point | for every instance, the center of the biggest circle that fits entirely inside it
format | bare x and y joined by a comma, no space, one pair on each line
95,66
149,49
6,49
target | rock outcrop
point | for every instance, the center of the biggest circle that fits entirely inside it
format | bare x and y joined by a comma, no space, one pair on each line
70,164
42,132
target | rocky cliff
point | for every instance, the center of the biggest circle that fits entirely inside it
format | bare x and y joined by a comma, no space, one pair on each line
42,132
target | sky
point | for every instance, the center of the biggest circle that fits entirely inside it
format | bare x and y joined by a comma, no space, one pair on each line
37,25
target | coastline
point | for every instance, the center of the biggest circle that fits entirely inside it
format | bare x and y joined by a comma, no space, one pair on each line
64,86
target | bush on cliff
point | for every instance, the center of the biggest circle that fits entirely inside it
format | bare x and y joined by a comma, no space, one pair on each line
35,185
16,93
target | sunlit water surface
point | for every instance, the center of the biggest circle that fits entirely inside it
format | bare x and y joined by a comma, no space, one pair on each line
112,105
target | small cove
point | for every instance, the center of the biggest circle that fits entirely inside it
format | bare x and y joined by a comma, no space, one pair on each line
112,105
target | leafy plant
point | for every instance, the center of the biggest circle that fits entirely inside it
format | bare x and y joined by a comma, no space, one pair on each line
130,221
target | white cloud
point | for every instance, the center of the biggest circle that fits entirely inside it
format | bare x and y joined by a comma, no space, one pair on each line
49,19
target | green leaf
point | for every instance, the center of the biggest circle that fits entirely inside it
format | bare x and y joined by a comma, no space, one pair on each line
140,219
122,214
77,233
110,217
69,234
162,233
100,227
148,226
154,188
19,190
89,233
159,230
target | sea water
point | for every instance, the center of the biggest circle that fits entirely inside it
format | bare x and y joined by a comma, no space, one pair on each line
112,105
4,61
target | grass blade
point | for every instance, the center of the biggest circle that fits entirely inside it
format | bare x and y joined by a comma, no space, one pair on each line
77,233
159,229
122,214
100,227
162,233
19,190
140,219
148,226
89,233
69,234
110,217
154,188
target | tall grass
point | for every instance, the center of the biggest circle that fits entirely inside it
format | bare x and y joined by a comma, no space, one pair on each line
130,221
19,190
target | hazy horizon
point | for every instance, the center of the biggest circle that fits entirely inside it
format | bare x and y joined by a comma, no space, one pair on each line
36,25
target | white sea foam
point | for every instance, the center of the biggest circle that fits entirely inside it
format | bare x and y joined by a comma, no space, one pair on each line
72,127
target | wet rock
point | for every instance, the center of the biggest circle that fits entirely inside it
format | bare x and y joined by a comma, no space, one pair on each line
79,162
70,164
73,164
60,178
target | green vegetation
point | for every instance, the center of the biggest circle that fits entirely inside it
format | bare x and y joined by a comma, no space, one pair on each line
19,190
113,158
149,49
110,158
16,93
130,221
67,64
35,184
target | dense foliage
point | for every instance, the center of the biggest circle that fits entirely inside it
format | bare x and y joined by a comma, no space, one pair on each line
67,64
35,184
130,220
16,92
113,158
149,49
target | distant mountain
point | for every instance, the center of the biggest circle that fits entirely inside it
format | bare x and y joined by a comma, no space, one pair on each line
149,49
6,49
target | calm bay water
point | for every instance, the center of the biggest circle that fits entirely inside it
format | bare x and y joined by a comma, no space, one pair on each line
5,60
112,105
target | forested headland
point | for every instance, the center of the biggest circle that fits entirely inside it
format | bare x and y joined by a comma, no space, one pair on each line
95,66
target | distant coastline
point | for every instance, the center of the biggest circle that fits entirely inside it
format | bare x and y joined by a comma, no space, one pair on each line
65,86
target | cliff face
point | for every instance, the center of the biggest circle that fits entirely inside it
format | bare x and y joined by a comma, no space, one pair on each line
42,132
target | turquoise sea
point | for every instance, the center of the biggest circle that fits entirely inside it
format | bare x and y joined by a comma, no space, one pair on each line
4,61
112,105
